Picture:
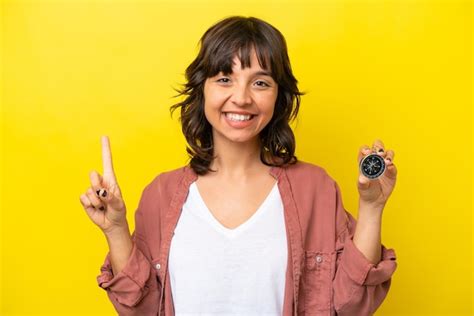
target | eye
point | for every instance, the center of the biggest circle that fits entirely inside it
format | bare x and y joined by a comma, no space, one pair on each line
262,83
223,80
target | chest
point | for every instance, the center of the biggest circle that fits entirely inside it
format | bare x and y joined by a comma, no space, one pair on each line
231,204
309,234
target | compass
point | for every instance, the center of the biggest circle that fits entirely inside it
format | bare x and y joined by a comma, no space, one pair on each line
372,166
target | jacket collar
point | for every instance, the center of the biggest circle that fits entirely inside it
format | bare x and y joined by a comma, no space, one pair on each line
190,175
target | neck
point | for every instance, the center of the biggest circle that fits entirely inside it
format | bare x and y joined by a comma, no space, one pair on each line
236,160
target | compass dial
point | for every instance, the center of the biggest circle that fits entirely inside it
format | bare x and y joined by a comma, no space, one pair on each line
372,166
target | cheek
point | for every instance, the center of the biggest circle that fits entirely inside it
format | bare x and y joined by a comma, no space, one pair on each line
268,106
209,113
269,116
213,100
209,102
211,108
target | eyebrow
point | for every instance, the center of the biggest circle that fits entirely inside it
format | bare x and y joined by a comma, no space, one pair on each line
263,73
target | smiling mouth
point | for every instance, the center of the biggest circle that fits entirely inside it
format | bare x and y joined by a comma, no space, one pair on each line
238,117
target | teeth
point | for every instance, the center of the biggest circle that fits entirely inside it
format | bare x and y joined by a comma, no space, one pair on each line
238,117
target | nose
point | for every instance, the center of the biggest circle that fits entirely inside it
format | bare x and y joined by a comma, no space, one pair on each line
241,95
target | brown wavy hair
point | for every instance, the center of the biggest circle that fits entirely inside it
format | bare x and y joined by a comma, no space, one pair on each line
227,38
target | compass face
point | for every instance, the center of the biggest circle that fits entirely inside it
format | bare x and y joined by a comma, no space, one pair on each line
372,166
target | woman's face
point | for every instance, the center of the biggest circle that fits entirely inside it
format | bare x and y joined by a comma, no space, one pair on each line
240,105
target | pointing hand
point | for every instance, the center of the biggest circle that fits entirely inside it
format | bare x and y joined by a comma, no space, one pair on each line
103,201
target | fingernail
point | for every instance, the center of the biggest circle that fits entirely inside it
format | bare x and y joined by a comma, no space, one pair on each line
104,194
101,208
381,150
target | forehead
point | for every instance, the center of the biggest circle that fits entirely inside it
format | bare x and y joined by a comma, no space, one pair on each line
226,60
253,63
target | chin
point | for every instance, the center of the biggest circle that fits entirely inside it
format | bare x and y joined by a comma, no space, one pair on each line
240,139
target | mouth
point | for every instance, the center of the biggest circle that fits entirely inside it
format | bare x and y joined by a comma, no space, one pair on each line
239,117
239,121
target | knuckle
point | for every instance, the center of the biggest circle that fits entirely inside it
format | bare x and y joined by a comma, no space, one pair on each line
83,198
96,204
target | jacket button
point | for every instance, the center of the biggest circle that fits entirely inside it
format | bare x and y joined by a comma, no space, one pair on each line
158,266
319,258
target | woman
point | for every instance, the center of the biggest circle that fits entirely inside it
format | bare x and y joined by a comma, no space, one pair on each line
245,228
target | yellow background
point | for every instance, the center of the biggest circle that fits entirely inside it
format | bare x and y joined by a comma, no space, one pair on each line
74,70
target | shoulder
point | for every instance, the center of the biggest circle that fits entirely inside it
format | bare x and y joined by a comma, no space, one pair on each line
170,176
165,182
309,173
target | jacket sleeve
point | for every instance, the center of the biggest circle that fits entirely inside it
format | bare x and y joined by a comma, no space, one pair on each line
135,289
359,286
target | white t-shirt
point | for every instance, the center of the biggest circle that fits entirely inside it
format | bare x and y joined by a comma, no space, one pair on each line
215,270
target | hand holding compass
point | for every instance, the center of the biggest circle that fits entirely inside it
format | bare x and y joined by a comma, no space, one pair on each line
378,174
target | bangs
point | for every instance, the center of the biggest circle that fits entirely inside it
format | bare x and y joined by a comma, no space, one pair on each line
238,40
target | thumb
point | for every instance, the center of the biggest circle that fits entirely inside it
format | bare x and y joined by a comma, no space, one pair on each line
112,197
363,182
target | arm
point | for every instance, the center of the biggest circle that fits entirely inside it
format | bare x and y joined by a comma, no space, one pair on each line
120,247
134,290
367,236
359,285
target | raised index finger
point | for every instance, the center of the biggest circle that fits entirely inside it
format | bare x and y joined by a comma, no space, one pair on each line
107,159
